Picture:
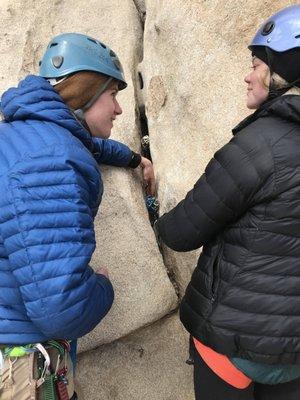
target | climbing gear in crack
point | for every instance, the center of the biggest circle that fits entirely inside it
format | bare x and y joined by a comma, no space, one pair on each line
152,205
145,142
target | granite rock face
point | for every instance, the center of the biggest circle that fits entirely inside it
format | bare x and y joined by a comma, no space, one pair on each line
127,246
148,365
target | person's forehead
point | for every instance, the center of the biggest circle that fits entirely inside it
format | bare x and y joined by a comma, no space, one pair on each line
256,59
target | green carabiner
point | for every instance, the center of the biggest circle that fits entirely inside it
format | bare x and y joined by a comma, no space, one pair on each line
57,346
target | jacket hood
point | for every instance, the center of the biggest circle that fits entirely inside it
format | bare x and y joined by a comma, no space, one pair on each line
35,99
286,107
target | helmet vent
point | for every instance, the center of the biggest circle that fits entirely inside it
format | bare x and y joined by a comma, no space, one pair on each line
268,28
297,37
53,44
92,40
118,64
112,53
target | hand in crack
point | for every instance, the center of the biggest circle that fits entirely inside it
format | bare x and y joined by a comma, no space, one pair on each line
148,175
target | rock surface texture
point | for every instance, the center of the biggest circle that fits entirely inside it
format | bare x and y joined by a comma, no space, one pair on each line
184,61
149,365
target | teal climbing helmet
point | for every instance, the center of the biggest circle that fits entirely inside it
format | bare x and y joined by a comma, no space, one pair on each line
72,52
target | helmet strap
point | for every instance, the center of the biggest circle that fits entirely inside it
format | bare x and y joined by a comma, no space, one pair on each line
97,95
79,113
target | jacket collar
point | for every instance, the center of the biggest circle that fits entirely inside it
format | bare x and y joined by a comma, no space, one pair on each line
35,99
286,107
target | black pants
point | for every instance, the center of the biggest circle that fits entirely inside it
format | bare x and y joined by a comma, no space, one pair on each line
208,386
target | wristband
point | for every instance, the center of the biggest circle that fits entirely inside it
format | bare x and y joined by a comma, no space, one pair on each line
135,160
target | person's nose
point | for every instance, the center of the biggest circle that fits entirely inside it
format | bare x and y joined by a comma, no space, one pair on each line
247,78
118,109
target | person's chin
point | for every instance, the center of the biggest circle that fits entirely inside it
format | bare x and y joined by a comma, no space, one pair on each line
250,105
102,135
106,135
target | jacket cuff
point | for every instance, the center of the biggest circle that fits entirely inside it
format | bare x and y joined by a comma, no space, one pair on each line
135,160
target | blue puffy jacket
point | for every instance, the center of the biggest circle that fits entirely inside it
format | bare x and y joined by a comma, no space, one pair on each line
50,191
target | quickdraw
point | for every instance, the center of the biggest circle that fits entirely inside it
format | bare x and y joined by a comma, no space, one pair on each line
61,384
49,387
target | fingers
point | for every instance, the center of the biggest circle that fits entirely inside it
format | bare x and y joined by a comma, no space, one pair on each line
103,271
148,176
150,186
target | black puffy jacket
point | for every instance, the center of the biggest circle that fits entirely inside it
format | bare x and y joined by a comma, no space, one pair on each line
244,296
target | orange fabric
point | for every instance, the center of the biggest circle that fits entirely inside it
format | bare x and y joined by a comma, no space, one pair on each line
222,366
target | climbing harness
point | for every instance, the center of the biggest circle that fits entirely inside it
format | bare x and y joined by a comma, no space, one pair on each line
51,366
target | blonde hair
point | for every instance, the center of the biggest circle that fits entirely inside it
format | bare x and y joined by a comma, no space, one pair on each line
279,83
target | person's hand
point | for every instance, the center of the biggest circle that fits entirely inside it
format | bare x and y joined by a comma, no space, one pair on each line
148,176
102,271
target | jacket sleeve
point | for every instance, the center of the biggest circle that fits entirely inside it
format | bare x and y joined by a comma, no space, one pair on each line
111,152
222,194
49,239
